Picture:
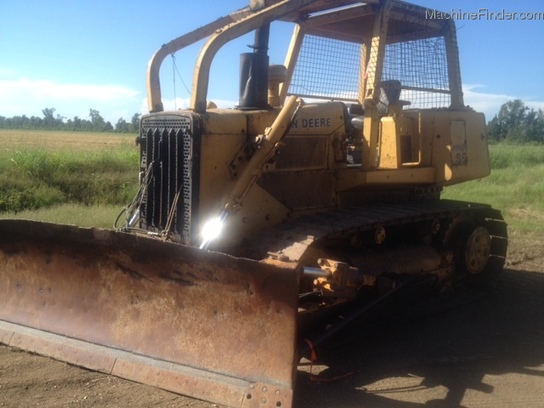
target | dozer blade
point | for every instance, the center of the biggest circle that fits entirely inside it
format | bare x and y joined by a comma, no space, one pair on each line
198,323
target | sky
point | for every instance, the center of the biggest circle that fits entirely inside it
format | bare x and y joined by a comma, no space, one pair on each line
93,54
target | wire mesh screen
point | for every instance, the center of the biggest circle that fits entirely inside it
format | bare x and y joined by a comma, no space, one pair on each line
421,67
327,69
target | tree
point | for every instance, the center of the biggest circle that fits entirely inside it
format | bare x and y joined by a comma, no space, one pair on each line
98,122
50,121
48,116
135,123
121,126
36,122
517,123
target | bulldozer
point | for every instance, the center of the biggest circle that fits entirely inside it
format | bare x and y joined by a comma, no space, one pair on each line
264,229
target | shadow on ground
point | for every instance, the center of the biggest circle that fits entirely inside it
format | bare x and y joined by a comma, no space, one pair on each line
496,334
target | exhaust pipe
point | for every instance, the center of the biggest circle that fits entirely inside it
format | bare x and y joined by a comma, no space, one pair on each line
254,73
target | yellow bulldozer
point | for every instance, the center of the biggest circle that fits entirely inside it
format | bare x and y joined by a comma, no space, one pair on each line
275,223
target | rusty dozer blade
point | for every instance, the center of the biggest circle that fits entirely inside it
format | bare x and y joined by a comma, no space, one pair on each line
198,323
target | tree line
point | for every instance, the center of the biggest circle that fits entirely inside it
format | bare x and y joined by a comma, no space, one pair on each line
515,123
50,121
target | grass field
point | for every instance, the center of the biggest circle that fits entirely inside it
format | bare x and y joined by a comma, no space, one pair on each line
51,141
515,186
76,178
87,178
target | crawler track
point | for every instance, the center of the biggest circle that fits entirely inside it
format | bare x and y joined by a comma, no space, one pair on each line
291,239
442,225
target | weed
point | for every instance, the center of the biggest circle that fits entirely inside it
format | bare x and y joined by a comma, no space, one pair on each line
43,174
32,177
515,185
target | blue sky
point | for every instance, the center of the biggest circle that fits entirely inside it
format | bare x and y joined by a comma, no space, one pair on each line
75,56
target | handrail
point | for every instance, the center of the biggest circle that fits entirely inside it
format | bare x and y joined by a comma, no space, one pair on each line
154,95
220,32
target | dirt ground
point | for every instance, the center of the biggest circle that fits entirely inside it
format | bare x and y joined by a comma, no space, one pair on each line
488,352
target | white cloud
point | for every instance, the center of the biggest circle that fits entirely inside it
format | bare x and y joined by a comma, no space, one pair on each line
174,104
7,72
536,105
484,102
183,103
490,104
43,89
29,96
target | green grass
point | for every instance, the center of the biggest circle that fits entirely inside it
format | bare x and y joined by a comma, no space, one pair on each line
73,178
73,214
515,186
33,178
88,179
505,156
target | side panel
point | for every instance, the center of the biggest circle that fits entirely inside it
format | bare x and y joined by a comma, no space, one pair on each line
399,143
302,176
453,142
459,145
224,138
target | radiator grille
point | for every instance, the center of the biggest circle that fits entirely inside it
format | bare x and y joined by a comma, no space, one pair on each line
169,151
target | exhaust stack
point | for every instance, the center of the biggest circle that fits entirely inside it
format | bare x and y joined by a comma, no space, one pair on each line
254,73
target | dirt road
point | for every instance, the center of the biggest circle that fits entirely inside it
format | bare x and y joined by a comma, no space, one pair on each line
487,351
